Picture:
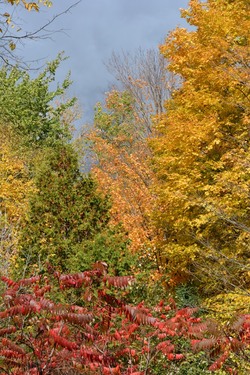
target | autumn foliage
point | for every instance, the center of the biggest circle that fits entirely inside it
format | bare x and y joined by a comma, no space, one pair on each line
118,143
42,334
15,188
201,152
169,187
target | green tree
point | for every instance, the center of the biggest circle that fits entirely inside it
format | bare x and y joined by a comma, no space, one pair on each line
30,120
67,223
65,220
28,104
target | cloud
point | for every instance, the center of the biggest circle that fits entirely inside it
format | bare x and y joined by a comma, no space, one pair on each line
96,28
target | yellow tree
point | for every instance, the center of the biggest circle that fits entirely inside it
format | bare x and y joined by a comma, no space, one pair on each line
15,188
201,153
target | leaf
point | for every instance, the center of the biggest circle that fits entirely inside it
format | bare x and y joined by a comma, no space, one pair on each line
79,319
204,344
62,341
12,346
135,315
119,281
29,281
101,266
219,362
9,282
30,6
7,330
165,347
197,330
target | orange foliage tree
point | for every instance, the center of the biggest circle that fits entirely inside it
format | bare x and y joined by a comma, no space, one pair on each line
122,166
120,136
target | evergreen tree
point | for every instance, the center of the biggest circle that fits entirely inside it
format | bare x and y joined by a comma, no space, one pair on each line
67,223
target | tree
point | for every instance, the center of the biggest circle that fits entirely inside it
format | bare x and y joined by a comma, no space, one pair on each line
64,210
201,154
119,139
103,334
37,154
9,39
145,77
15,187
13,35
28,105
121,165
67,222
30,121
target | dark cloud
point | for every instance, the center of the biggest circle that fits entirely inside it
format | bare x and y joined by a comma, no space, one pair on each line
93,30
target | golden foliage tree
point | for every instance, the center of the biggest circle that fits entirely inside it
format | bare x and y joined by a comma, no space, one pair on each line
201,153
15,187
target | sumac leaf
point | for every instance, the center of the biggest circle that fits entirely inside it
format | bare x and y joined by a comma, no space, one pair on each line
119,281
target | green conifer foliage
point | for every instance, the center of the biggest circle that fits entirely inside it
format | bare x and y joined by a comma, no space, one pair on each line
67,223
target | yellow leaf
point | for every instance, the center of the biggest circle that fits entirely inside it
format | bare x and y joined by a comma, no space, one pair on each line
12,46
30,6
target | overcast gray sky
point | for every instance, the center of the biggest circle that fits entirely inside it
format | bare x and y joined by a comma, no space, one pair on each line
93,30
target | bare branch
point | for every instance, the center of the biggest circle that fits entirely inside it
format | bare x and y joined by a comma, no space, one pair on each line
9,40
145,76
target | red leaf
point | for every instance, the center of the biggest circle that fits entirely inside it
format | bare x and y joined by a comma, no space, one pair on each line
12,346
80,319
165,347
179,356
134,314
219,362
29,281
203,344
170,356
119,281
7,330
62,341
9,282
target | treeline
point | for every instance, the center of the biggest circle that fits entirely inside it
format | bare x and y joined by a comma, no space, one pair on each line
167,197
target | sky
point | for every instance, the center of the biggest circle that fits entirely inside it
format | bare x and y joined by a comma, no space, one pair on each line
91,31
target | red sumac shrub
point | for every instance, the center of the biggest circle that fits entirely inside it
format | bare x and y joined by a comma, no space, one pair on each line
101,335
